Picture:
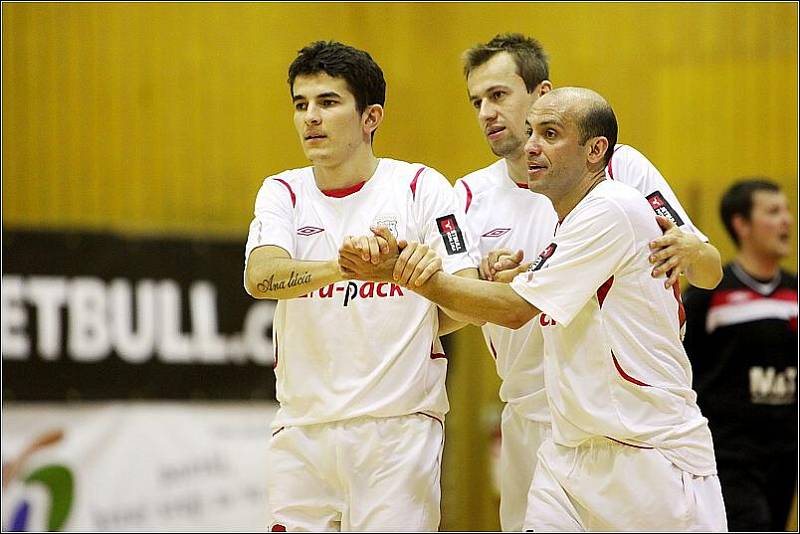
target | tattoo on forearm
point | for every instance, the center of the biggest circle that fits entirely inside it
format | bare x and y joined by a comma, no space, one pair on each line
295,279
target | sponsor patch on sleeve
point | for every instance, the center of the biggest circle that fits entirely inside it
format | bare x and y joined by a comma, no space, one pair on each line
451,234
543,257
662,207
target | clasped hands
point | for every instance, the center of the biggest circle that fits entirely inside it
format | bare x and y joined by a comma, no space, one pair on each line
381,258
671,255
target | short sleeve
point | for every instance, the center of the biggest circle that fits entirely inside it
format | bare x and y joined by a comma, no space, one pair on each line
631,167
441,222
594,244
274,222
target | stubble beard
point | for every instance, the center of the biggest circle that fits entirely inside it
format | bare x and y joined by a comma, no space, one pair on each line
508,148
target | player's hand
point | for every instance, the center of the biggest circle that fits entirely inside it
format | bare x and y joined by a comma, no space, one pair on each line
505,276
500,259
416,264
673,253
370,257
371,248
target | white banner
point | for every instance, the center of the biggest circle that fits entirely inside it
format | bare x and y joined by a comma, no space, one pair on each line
135,466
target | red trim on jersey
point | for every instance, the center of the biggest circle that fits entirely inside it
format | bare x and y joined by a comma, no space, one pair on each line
344,191
291,193
494,350
744,295
610,167
432,417
522,186
277,527
676,290
628,444
275,363
625,375
414,183
603,290
437,355
469,196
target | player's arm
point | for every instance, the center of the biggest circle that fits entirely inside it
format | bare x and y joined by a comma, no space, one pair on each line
487,301
451,320
272,273
683,249
465,296
678,252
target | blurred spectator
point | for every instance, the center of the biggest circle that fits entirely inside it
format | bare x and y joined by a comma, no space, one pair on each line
742,340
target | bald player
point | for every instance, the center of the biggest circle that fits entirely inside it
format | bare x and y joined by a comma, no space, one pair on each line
504,77
630,449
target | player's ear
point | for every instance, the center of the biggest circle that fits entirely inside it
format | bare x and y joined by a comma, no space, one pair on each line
372,118
544,87
596,149
740,225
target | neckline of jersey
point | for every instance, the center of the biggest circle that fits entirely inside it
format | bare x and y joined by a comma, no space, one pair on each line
344,191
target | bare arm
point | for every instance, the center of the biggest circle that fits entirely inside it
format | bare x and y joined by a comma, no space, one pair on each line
272,274
488,301
678,252
453,320
381,258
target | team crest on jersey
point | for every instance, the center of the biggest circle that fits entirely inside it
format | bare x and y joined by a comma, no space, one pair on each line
389,221
309,230
662,207
543,257
497,232
451,234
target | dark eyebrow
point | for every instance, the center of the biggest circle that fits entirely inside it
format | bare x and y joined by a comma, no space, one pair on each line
329,94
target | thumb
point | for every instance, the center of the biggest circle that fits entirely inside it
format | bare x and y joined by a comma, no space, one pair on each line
664,223
382,231
518,255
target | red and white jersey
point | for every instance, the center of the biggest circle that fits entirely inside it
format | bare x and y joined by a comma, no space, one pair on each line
502,214
358,348
631,167
614,363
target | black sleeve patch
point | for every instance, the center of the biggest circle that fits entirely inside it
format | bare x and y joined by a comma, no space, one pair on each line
451,234
662,207
543,257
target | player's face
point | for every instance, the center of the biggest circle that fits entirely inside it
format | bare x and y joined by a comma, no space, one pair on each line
501,102
769,228
556,159
326,118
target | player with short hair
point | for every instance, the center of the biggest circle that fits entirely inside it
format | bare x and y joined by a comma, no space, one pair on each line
630,449
742,340
505,76
360,375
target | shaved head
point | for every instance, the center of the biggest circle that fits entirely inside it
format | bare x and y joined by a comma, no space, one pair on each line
590,112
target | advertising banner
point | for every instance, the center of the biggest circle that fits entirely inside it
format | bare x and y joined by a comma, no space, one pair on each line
89,316
113,467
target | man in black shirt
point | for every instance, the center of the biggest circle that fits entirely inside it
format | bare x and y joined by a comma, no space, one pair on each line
742,340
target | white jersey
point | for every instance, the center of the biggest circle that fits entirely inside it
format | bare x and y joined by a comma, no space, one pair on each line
358,348
614,362
502,214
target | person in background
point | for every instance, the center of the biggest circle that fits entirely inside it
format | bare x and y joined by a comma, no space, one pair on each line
742,340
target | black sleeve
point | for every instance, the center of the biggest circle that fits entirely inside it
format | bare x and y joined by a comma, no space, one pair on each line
695,303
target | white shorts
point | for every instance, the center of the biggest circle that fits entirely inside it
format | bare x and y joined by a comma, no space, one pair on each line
519,443
604,485
363,474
